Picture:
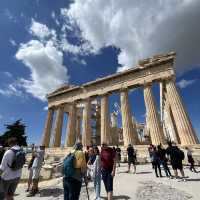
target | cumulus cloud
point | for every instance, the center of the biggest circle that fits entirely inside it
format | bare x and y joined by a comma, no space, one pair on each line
185,83
40,30
138,28
45,63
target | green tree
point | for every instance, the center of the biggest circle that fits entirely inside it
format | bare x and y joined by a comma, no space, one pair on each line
17,129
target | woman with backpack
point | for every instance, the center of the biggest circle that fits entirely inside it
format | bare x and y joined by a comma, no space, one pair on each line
176,157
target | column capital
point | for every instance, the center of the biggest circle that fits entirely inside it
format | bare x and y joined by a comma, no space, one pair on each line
147,84
170,79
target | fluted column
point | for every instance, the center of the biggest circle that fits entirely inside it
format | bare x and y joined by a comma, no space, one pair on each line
183,123
114,135
86,123
47,129
105,121
71,127
154,125
58,127
170,124
78,128
129,133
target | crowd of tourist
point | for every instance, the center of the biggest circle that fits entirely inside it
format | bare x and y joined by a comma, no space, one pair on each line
79,167
12,160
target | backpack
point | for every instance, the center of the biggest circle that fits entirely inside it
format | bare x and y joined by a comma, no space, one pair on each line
19,159
180,154
68,165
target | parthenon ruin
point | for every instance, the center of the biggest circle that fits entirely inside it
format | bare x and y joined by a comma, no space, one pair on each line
79,102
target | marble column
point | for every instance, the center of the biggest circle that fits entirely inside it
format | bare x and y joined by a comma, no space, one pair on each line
78,129
86,123
47,129
169,123
58,127
184,127
105,121
71,126
114,135
154,125
129,133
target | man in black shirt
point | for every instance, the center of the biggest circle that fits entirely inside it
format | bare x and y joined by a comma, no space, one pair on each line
176,157
131,158
118,155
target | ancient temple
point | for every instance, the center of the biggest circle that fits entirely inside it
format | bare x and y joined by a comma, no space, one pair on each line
85,116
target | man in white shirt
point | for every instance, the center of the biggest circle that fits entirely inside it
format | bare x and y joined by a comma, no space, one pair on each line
9,177
35,170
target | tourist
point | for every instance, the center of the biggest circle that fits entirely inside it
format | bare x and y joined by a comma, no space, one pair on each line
108,167
163,160
156,162
176,157
131,152
2,151
87,154
33,155
11,168
36,168
118,155
72,179
190,159
91,159
97,174
150,150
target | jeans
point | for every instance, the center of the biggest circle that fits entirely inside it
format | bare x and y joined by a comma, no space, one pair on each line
72,188
166,168
157,168
97,185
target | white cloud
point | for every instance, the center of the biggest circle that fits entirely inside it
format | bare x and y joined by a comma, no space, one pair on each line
11,90
45,62
138,28
1,116
39,30
8,74
53,15
185,83
45,108
79,61
12,42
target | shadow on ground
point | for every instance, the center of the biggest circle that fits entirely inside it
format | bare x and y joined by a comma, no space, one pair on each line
193,179
144,172
53,192
120,197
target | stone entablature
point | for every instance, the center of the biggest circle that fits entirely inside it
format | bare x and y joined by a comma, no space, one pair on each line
158,70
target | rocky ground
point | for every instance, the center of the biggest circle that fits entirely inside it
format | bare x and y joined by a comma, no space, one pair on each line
140,186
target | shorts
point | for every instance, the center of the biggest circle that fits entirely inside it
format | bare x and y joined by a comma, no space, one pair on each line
131,160
9,186
177,165
35,173
107,179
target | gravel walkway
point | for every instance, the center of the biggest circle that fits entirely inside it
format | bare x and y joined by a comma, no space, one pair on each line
152,190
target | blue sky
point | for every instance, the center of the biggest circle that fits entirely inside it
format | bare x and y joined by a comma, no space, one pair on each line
45,44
